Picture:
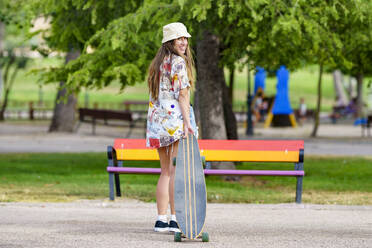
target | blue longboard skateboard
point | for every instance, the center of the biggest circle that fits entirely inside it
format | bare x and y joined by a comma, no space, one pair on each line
190,194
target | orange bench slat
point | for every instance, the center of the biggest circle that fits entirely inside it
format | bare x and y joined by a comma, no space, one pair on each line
251,145
220,150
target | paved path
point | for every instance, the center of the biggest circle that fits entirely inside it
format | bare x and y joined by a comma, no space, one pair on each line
333,139
129,223
88,143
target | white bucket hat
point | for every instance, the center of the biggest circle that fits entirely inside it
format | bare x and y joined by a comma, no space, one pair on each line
173,31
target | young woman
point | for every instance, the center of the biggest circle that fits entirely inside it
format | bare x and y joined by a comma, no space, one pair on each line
170,116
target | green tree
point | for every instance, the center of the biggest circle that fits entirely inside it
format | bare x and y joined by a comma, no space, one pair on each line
294,33
72,23
11,65
13,39
225,32
123,50
2,34
356,37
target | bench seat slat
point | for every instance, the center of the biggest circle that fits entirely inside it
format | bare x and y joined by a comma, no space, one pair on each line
252,145
135,170
250,156
253,173
216,155
243,145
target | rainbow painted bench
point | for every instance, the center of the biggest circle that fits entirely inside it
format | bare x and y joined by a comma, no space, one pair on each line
288,151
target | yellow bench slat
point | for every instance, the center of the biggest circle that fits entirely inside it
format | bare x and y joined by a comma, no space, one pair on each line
216,155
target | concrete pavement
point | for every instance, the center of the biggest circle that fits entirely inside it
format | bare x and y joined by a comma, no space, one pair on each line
336,140
129,223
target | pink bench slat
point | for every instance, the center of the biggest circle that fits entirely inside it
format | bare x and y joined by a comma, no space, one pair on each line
134,170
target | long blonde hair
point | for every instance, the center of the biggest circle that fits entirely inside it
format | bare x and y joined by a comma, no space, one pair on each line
167,49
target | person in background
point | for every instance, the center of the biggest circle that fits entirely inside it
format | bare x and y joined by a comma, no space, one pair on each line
302,111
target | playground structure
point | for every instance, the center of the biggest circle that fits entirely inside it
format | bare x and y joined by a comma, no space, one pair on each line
280,113
278,109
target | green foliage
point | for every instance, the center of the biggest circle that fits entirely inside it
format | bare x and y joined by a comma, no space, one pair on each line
14,45
79,24
16,26
12,14
121,51
119,39
73,22
356,38
296,32
132,40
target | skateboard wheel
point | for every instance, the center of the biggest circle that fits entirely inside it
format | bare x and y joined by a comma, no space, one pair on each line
205,237
174,161
177,237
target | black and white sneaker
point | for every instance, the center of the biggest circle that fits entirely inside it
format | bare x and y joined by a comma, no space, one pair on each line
161,226
173,226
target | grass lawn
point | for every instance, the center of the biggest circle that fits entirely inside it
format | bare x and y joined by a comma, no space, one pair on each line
68,177
303,83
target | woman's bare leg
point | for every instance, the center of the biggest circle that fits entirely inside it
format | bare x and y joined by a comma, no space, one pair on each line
171,179
165,187
162,189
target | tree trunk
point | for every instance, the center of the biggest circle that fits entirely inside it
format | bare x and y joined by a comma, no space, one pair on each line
196,94
359,101
231,84
209,88
4,105
351,88
2,35
7,83
210,91
64,111
319,102
230,120
196,108
341,98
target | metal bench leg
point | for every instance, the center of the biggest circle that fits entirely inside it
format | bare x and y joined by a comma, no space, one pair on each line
117,179
111,186
112,161
299,189
299,166
117,185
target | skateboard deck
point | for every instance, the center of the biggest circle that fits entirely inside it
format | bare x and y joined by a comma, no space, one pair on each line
190,194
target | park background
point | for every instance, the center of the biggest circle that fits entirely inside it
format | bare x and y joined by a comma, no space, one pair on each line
95,54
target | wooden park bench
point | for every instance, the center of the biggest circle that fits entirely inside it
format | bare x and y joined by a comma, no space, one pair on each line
286,151
137,108
134,105
93,115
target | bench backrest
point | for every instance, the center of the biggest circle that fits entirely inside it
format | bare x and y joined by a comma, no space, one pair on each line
141,104
221,150
104,114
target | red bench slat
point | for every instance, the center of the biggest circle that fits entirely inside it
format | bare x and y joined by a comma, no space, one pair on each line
240,145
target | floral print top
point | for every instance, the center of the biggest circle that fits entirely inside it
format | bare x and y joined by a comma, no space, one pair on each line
164,118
